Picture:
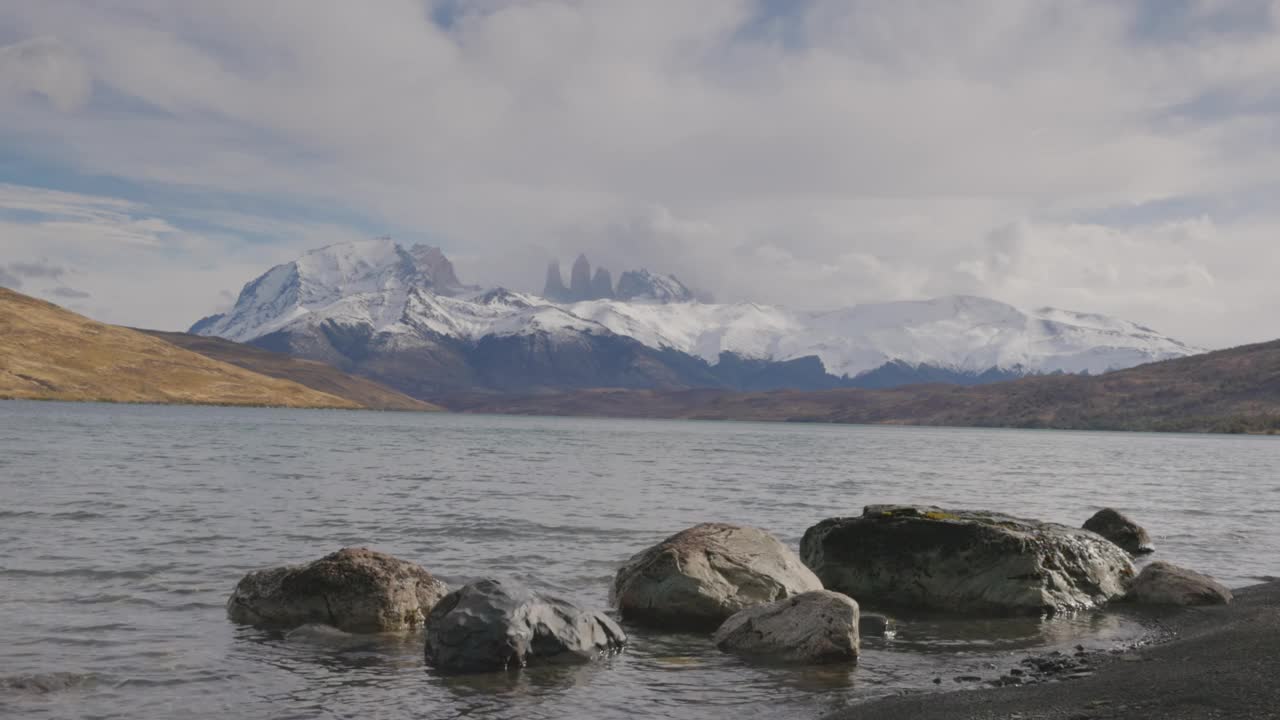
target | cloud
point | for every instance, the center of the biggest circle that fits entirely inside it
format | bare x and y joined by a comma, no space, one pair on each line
38,269
69,293
47,67
813,154
138,268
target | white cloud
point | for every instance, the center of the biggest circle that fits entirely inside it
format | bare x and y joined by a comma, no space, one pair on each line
836,152
46,67
138,269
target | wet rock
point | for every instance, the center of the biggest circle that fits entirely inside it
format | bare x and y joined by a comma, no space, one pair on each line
493,625
699,577
873,625
355,590
813,627
964,561
1162,583
1119,529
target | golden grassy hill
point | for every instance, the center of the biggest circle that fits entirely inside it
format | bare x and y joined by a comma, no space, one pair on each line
49,353
315,375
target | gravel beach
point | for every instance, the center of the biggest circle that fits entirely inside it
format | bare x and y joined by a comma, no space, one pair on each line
1219,662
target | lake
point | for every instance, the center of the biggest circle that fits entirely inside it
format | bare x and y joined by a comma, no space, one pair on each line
126,527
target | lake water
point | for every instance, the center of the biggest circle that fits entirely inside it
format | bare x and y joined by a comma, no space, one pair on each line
125,527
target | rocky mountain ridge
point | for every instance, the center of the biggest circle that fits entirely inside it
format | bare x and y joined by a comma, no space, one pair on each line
633,285
403,317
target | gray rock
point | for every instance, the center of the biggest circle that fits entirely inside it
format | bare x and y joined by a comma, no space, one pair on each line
964,561
493,625
873,625
1119,529
812,627
355,590
1162,583
697,578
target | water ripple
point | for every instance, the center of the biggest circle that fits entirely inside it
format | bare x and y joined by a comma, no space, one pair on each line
122,546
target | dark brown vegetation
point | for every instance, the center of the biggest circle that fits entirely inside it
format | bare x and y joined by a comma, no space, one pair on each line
315,375
1236,390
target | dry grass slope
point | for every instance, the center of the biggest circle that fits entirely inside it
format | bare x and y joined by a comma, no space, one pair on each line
49,353
314,375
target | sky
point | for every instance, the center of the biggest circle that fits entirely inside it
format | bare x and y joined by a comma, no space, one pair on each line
1103,156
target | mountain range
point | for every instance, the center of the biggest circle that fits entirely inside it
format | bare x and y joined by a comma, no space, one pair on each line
402,317
1233,391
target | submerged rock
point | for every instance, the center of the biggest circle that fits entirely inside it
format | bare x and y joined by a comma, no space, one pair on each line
494,625
355,590
964,561
701,576
1162,583
873,625
813,627
1119,529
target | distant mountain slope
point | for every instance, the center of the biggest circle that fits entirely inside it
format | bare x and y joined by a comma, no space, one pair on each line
403,318
315,375
49,353
1236,390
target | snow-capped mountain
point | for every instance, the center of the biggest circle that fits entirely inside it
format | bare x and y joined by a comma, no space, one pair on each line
962,333
375,274
403,316
644,285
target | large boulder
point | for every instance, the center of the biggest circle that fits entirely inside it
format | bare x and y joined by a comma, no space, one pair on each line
1162,583
964,561
813,627
1119,529
355,589
494,625
697,578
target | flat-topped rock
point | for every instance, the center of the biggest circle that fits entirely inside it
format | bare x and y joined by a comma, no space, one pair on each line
1119,529
964,561
698,577
493,625
355,590
813,627
1162,583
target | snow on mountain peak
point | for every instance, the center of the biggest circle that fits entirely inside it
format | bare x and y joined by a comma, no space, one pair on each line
379,285
378,269
644,285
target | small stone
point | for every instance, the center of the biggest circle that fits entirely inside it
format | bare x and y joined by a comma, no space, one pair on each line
874,625
1016,672
1162,583
1114,526
813,627
493,625
356,590
968,679
698,577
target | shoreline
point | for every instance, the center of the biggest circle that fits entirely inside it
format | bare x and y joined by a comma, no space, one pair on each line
1211,662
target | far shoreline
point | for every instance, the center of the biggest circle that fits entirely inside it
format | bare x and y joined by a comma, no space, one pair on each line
445,411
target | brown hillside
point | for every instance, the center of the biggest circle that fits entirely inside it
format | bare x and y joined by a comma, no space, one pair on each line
49,353
314,375
1235,390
